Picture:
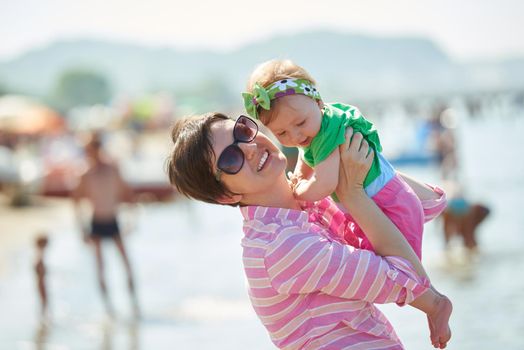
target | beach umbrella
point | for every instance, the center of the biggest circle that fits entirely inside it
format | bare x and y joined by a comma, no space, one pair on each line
22,115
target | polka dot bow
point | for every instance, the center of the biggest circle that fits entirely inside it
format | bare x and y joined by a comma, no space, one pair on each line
262,97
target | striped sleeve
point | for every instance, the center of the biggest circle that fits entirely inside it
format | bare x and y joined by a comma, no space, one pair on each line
308,262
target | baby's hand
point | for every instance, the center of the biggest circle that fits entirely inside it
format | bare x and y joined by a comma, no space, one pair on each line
293,179
299,188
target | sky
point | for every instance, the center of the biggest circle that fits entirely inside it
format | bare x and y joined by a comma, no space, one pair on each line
464,29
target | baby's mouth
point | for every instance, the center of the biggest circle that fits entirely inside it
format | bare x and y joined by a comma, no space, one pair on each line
305,142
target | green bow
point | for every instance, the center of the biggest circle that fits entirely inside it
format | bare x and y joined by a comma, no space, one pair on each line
259,97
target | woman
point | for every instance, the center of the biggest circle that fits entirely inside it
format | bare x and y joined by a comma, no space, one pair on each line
309,287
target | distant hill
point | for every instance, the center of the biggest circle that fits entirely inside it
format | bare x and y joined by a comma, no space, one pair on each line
343,65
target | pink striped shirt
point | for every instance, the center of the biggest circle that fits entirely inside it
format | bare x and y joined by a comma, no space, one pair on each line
311,289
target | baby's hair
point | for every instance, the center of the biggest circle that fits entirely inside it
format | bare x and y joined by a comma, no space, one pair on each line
273,70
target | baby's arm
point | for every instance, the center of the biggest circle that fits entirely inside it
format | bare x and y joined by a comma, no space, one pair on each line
323,182
302,170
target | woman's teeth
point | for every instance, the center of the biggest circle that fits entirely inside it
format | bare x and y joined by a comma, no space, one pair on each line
262,161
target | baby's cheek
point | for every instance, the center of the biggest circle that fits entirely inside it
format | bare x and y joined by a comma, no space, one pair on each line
287,143
282,141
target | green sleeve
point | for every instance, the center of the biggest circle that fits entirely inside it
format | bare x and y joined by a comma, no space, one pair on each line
335,119
359,123
330,136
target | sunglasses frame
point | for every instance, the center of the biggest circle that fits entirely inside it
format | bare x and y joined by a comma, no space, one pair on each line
234,145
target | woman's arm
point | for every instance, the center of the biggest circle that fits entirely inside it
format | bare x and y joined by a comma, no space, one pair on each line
336,269
381,232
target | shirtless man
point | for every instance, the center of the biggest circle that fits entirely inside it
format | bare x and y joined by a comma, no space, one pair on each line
104,189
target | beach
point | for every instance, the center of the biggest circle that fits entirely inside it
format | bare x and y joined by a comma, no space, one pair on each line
191,285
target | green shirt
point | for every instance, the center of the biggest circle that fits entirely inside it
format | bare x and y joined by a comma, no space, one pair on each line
335,119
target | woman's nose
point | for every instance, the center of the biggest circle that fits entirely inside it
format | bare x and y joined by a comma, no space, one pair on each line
249,149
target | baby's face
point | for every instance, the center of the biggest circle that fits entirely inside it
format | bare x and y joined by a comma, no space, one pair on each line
296,120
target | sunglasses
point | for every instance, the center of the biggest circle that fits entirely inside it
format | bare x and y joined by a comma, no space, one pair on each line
232,158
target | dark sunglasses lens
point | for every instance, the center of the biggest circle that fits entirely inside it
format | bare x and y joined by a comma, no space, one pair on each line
231,160
245,129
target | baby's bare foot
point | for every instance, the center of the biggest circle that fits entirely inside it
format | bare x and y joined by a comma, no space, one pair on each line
439,322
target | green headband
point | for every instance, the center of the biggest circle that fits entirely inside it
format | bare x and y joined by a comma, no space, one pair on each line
263,96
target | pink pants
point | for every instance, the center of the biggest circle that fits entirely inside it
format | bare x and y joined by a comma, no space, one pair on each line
401,205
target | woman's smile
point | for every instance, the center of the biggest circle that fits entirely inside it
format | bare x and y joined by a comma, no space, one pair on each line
263,160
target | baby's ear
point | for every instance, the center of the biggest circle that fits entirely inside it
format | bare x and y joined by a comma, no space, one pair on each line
225,199
320,103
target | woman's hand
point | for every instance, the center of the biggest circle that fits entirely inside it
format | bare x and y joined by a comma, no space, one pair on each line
356,158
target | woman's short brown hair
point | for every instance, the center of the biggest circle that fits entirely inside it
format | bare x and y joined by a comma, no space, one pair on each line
190,165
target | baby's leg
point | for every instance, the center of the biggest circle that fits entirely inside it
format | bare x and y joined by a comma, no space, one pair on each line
400,204
423,191
433,199
438,322
438,309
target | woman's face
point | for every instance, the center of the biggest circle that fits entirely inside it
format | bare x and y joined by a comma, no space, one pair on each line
264,163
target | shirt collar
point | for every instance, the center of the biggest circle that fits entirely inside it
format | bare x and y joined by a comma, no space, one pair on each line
272,214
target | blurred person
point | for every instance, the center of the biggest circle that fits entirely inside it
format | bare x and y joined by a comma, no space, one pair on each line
103,187
310,287
41,336
282,95
462,218
41,242
443,124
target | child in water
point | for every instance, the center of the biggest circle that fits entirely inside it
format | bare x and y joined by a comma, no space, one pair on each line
41,242
282,95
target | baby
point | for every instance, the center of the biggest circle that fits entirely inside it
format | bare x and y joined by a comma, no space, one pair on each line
282,95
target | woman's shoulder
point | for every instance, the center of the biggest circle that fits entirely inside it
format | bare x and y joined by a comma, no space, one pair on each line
281,216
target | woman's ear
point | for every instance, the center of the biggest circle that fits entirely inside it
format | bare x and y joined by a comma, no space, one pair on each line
226,199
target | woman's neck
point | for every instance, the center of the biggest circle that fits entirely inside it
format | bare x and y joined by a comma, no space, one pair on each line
279,196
